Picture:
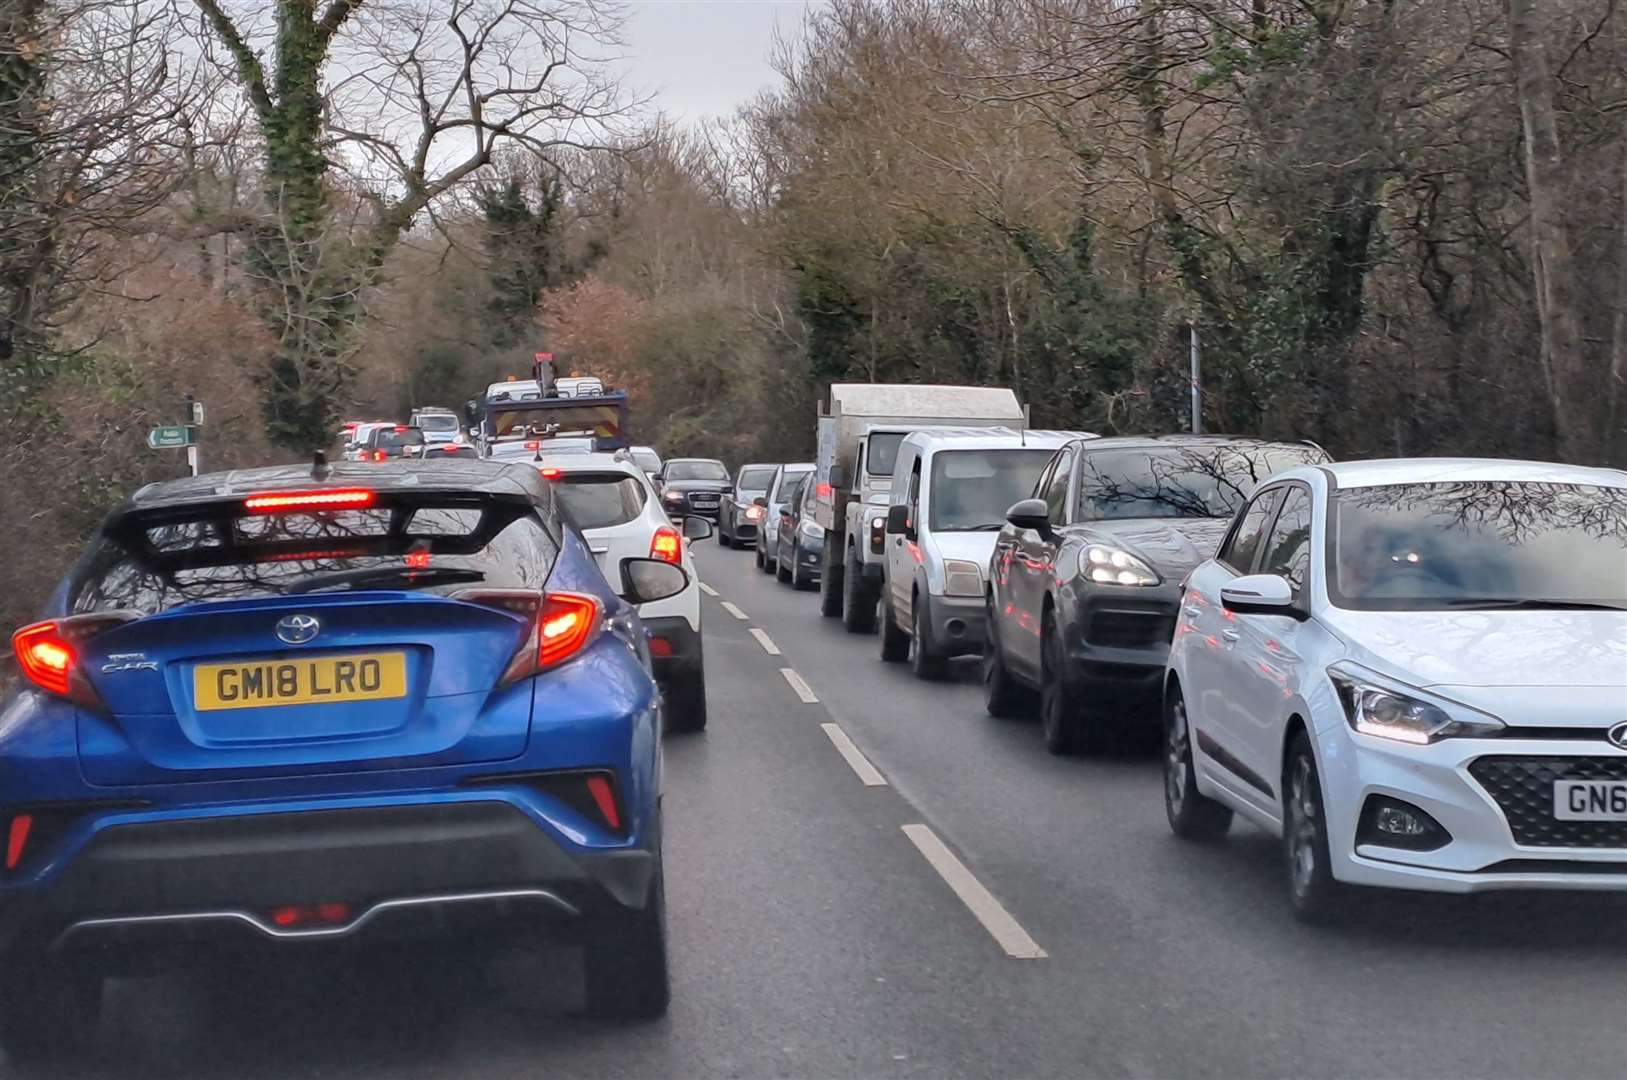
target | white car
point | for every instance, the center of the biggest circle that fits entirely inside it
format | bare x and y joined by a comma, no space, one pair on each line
509,451
1415,672
610,499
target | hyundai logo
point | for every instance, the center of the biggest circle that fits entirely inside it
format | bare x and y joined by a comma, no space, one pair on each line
298,629
1618,735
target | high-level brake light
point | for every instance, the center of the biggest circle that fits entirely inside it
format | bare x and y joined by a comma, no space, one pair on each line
282,502
551,472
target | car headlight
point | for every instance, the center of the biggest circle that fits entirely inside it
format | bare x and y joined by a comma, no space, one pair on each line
754,513
672,496
1374,707
810,529
962,578
1105,565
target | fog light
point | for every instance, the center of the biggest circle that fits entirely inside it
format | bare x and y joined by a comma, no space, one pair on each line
1387,822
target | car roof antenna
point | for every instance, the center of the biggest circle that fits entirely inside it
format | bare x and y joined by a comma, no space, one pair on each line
320,469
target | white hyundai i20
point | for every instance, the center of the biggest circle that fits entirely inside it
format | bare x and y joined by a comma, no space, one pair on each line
1415,672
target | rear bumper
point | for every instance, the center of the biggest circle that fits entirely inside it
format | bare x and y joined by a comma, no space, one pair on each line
684,643
471,861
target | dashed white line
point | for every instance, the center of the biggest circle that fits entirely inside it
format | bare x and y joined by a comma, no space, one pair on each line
707,589
1005,930
732,610
800,685
765,641
854,757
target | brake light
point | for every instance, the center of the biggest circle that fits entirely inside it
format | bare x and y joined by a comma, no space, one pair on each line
416,560
823,491
401,427
533,444
551,472
667,545
379,455
17,839
283,502
567,623
48,653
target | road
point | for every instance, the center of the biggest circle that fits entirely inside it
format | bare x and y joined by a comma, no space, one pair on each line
812,936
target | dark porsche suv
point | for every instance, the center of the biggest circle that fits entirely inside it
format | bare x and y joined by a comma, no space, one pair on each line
1085,581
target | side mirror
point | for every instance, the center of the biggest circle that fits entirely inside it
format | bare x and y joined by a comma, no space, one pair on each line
839,478
1031,514
1259,594
761,500
644,581
898,521
696,528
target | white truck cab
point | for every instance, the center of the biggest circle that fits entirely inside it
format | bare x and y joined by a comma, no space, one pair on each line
951,488
859,436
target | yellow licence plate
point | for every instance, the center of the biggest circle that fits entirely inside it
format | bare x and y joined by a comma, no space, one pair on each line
303,681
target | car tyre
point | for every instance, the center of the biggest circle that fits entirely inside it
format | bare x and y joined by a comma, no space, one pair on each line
858,598
830,582
762,559
1316,896
1003,696
1192,814
1058,720
624,961
686,702
47,1009
926,663
895,643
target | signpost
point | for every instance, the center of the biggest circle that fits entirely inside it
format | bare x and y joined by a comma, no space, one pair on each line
175,436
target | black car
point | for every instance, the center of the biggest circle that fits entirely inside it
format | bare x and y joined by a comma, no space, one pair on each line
1085,581
693,486
739,517
796,539
399,441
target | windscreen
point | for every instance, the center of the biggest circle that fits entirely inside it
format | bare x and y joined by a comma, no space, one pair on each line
696,470
881,453
1409,547
408,545
391,439
438,422
600,500
1210,480
971,490
562,417
648,460
756,477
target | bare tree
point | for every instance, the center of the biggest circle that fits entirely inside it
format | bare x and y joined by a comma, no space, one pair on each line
368,113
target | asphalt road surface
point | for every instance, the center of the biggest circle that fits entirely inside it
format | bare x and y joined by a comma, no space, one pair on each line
883,881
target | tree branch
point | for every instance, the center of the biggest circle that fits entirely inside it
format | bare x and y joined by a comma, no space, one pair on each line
249,70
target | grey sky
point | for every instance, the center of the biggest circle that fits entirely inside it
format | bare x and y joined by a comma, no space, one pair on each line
704,57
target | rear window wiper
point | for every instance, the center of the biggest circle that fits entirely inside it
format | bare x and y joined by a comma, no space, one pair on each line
374,575
1533,605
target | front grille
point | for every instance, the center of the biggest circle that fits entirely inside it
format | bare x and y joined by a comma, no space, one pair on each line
1130,629
705,500
1524,788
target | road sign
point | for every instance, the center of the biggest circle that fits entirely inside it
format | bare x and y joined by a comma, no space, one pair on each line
197,412
170,437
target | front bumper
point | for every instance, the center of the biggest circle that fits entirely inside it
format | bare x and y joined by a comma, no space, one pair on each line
811,556
1117,638
956,623
1484,851
473,859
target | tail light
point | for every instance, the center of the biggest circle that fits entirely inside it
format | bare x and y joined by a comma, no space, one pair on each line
551,472
591,793
48,653
379,455
667,545
562,625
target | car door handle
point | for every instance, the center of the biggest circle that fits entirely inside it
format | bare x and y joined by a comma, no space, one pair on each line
1230,636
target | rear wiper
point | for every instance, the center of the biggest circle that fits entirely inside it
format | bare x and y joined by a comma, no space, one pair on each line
408,577
1534,605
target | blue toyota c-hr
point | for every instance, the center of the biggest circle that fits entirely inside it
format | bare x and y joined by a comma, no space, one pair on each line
346,704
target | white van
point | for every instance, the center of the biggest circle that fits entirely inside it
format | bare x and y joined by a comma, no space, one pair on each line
951,490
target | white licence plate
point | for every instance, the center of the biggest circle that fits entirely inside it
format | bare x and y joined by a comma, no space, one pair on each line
1590,800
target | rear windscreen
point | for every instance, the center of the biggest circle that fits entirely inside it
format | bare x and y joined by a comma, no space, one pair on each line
756,477
406,545
599,500
438,422
388,440
882,452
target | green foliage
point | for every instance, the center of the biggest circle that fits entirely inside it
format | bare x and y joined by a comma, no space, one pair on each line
524,250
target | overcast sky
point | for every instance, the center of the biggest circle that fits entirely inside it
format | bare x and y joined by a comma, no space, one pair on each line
704,57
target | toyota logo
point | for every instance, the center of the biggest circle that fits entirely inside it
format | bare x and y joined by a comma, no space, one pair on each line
1618,735
298,629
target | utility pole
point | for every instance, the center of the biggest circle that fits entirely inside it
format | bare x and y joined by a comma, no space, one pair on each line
194,422
1197,383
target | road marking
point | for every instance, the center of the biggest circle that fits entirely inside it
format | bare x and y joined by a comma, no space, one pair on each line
854,757
707,589
765,641
732,610
800,685
1005,930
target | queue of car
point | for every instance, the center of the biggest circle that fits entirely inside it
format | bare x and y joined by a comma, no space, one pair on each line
1413,672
